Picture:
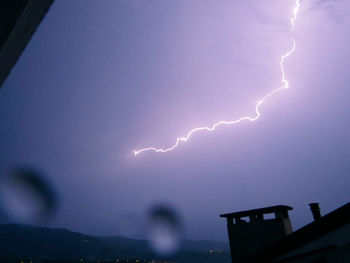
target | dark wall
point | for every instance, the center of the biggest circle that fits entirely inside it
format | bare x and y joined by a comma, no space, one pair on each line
251,237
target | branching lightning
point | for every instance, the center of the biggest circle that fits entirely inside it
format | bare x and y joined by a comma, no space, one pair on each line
285,85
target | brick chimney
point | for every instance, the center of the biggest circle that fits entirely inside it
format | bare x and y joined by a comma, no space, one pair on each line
315,210
252,230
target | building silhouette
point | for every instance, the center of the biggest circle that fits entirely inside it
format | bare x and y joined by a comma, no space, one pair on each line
266,235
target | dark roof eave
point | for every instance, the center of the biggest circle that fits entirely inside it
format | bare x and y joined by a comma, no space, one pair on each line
18,38
314,230
265,210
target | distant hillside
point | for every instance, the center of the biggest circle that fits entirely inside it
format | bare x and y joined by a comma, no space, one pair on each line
20,242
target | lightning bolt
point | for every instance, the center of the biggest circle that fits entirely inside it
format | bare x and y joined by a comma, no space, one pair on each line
285,85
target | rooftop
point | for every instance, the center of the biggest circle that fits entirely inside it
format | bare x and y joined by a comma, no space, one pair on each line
312,231
258,211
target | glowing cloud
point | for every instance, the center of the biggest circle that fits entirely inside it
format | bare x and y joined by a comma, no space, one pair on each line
285,85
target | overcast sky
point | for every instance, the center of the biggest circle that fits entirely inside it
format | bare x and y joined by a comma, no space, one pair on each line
100,79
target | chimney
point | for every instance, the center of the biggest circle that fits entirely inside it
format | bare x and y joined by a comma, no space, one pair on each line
315,209
253,230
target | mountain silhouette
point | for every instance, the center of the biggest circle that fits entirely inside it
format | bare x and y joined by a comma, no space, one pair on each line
20,242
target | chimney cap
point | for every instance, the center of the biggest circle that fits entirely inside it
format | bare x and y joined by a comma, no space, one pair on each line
264,210
314,205
315,210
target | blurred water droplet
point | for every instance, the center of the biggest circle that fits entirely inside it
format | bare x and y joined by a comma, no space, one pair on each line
164,230
26,196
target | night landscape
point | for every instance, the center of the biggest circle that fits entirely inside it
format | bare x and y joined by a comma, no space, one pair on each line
174,131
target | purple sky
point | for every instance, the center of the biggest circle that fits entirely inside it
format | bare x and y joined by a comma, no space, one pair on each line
99,80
